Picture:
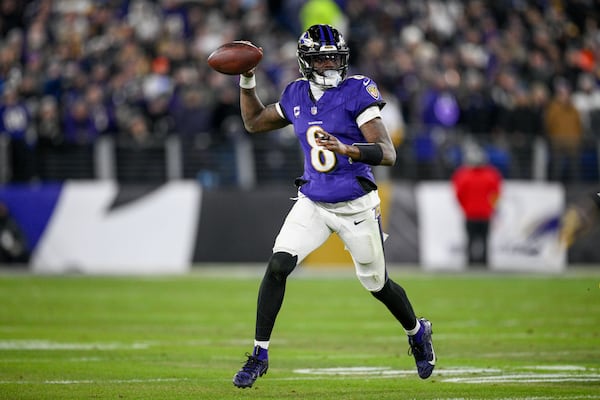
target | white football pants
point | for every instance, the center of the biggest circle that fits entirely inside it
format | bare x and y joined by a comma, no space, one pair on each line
357,223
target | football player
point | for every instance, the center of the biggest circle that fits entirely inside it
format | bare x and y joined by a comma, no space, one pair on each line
579,218
337,121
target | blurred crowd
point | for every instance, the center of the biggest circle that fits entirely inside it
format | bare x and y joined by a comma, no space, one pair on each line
507,71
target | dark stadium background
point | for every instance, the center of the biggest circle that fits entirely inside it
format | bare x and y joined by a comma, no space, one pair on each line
120,91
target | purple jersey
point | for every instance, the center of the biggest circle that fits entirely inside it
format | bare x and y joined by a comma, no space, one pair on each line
330,177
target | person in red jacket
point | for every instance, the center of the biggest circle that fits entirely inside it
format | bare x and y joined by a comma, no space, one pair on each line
477,185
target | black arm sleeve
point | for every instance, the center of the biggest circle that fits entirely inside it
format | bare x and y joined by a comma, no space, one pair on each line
370,153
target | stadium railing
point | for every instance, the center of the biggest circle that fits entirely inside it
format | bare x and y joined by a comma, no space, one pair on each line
272,158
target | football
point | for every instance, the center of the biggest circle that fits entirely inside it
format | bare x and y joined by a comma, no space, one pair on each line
235,57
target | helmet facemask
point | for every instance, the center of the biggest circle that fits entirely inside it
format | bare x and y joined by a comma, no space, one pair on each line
323,42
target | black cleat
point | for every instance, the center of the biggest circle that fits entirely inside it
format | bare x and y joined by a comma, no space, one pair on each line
423,350
252,369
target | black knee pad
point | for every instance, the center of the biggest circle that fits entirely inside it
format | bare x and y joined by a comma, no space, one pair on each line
281,265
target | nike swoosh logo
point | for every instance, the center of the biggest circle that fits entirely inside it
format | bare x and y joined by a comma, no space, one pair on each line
366,81
359,222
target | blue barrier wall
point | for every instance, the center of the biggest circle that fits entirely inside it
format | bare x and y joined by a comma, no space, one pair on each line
211,226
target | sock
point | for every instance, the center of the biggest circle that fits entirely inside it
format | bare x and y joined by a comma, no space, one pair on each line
262,343
416,332
260,352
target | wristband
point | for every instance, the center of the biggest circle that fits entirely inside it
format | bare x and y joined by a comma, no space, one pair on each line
247,82
370,153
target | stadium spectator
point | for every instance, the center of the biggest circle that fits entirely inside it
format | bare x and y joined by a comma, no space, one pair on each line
523,124
586,99
565,133
337,121
193,116
138,134
16,123
52,80
63,46
322,11
79,126
136,151
47,123
440,113
101,111
11,16
145,17
226,115
477,108
49,132
392,116
13,243
477,187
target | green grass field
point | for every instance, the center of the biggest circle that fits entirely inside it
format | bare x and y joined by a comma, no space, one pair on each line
497,336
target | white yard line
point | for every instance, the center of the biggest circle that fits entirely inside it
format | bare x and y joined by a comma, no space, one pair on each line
92,381
51,345
568,373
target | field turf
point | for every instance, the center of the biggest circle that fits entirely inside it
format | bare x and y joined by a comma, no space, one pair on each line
497,336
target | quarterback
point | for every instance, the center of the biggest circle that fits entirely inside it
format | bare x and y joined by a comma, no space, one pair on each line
337,121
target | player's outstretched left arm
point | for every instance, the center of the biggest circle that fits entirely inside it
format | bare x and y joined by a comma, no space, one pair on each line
379,149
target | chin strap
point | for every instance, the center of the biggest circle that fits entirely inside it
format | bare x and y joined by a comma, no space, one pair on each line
329,79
